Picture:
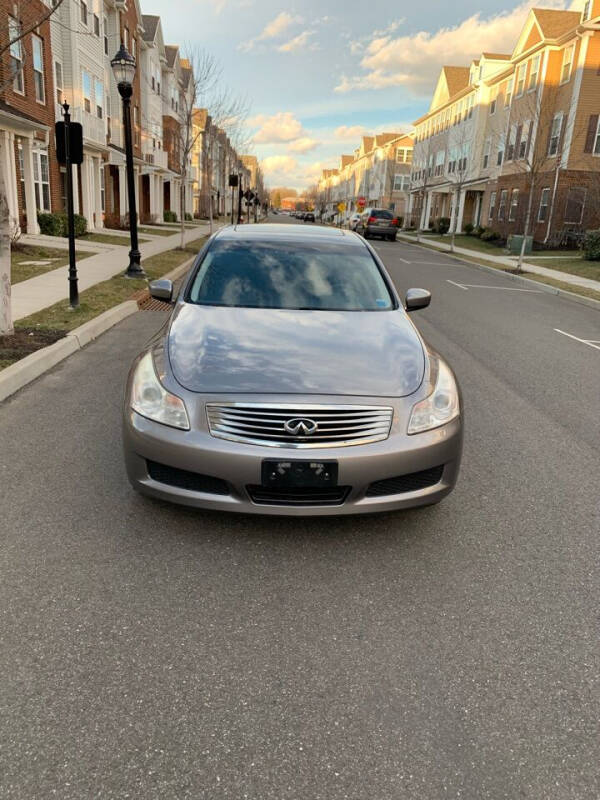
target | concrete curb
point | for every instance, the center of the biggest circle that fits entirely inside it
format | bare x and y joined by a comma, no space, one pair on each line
36,364
544,287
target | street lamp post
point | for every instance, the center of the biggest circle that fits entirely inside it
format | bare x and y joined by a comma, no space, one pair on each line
123,66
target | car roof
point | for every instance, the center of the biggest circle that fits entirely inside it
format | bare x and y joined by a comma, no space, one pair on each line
271,232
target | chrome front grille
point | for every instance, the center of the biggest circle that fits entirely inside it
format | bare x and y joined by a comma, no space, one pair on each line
263,424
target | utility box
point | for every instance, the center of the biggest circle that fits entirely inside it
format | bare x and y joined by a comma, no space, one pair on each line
515,243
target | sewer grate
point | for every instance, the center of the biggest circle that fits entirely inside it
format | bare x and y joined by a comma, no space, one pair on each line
150,304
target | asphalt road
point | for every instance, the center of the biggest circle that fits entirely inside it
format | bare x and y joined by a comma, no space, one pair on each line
150,651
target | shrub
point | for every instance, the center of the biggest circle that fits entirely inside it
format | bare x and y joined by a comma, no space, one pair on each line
591,245
490,236
469,228
188,216
170,216
443,225
479,231
57,225
51,224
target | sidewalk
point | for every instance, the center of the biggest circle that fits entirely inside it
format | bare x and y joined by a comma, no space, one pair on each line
506,261
45,290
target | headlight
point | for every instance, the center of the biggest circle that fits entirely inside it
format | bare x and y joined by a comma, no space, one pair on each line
150,399
440,407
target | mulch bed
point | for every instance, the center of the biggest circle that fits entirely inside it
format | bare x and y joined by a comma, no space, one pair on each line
25,341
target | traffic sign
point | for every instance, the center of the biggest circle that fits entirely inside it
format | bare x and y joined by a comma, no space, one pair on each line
341,207
361,202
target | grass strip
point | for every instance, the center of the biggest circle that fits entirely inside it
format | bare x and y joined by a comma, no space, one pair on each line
20,253
107,238
99,298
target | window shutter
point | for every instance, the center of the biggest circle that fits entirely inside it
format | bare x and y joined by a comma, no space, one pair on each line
591,134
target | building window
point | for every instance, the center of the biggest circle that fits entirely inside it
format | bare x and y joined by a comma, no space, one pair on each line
401,183
555,135
509,92
521,71
16,56
96,25
41,180
512,138
153,84
38,68
544,200
87,90
502,206
587,10
567,64
493,100
99,93
136,132
487,147
597,142
524,143
58,80
492,206
500,154
102,188
83,12
514,205
575,205
534,72
105,34
126,37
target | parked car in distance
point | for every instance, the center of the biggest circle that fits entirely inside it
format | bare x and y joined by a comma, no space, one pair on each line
378,222
290,379
353,221
309,217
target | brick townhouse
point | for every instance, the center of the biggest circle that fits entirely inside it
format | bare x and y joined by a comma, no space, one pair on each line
378,171
511,125
27,97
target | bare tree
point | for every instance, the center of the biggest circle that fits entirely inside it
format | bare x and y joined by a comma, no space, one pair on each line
426,172
535,144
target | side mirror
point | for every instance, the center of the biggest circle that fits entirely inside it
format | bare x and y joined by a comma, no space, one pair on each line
162,289
417,298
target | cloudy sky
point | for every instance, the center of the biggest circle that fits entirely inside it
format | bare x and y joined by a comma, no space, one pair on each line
320,74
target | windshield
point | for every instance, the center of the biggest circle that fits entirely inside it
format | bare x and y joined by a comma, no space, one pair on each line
294,275
376,212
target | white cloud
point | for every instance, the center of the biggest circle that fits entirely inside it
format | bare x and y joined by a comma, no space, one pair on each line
281,127
300,42
271,30
348,132
415,60
303,145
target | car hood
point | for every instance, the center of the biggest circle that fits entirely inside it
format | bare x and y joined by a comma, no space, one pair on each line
280,351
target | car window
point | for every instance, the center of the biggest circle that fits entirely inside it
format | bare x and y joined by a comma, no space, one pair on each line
292,275
381,214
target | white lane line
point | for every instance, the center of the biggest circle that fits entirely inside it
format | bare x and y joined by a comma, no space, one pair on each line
403,260
460,286
577,339
488,286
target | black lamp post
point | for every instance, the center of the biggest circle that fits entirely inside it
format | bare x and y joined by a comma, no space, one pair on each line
123,66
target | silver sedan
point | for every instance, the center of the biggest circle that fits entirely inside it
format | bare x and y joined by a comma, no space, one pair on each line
291,380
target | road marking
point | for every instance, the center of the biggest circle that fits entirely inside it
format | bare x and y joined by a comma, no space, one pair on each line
467,286
403,260
589,342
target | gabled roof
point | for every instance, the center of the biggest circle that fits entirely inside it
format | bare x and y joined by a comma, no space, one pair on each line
384,138
497,56
367,144
451,81
556,23
150,24
171,53
347,160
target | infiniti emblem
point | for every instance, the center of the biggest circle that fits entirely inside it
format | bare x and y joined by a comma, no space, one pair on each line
300,426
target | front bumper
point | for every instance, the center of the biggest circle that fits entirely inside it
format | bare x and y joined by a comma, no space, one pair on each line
239,465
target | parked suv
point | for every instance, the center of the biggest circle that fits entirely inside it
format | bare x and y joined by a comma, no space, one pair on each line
378,222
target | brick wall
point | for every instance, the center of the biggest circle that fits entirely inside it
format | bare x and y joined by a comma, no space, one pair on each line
26,103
